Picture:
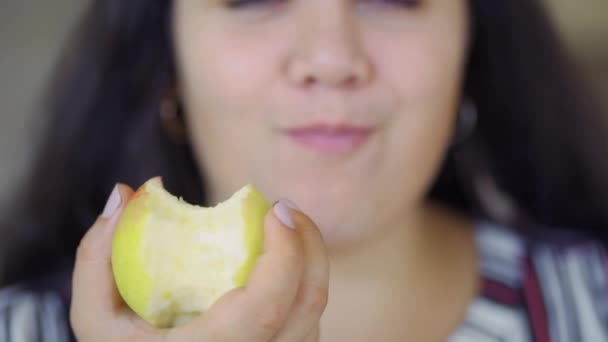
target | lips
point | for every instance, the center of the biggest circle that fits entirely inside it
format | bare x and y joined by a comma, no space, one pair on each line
330,138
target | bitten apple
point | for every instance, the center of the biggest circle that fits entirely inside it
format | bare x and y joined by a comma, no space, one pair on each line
171,260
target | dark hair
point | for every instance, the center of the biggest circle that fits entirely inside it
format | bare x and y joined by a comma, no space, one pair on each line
540,137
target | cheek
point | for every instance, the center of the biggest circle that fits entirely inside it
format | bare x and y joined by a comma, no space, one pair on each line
222,94
231,85
424,73
220,79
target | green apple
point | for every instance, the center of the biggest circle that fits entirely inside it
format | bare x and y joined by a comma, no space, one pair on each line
171,260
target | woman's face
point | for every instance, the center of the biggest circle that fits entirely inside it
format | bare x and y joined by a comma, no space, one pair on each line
346,107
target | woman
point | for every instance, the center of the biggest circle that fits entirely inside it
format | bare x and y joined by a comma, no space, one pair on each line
449,168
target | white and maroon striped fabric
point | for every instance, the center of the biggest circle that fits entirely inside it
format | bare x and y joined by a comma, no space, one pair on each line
553,288
27,316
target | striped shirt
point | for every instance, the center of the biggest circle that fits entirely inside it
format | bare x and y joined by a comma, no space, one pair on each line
553,289
549,289
32,316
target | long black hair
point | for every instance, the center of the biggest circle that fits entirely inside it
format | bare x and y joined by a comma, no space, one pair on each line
539,136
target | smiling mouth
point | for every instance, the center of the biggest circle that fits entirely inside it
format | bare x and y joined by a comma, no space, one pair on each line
330,138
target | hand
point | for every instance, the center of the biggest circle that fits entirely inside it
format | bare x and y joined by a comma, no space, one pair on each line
282,301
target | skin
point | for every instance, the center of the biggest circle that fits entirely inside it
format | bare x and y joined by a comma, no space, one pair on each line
246,75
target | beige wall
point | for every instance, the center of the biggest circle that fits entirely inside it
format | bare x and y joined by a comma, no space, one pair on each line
584,25
31,31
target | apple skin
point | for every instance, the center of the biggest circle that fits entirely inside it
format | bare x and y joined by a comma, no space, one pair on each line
133,259
132,282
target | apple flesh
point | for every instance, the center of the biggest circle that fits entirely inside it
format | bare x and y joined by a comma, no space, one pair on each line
172,260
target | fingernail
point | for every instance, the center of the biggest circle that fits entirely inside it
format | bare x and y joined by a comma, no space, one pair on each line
112,204
291,204
281,211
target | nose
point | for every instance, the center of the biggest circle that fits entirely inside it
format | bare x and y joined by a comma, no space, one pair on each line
327,51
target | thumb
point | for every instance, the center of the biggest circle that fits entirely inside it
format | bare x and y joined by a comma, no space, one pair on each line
93,289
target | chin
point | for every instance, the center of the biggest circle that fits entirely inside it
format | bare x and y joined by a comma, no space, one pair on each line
347,212
339,227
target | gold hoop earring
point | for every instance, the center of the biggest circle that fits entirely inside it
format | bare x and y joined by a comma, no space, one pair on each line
172,120
466,122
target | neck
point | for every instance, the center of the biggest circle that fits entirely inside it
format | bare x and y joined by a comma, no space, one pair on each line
386,284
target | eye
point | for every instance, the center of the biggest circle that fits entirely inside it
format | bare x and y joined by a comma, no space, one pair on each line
243,4
396,3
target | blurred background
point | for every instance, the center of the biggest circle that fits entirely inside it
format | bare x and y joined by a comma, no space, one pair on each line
32,32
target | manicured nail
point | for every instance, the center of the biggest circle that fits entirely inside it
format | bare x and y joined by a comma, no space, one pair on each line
112,204
281,211
291,204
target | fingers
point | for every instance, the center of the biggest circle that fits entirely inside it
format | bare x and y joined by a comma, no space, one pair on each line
283,299
257,311
95,299
311,299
